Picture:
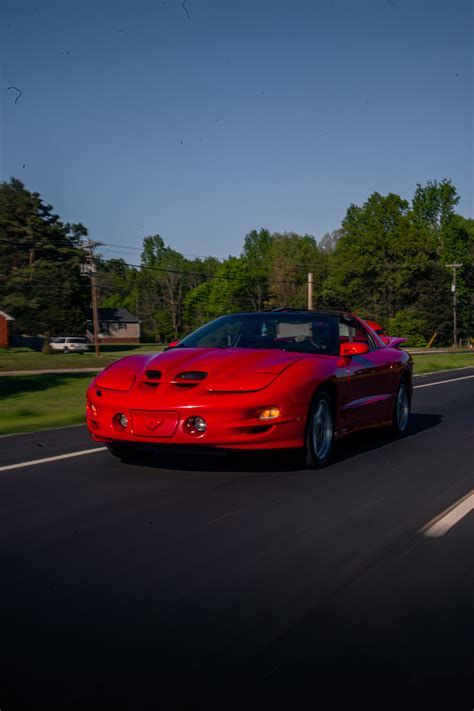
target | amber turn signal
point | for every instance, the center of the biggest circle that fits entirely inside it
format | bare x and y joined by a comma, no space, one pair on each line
269,413
92,408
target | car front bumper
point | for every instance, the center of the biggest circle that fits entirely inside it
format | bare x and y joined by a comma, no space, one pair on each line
232,421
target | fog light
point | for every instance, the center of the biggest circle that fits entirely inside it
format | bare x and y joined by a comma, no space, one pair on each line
123,420
195,425
200,424
269,413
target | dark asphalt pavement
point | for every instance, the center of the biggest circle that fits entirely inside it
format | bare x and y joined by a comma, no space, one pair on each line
243,579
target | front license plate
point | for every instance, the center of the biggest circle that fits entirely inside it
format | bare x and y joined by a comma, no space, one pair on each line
154,423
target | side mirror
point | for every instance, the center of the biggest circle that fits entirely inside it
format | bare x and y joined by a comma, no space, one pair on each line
173,344
352,349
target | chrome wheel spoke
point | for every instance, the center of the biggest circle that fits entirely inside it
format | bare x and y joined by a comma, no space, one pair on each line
403,407
322,430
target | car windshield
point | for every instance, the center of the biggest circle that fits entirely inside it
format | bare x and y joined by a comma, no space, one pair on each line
300,332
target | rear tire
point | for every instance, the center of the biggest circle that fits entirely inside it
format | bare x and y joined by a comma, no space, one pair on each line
401,410
320,432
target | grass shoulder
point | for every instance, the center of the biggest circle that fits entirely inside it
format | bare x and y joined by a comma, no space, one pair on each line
33,360
36,402
433,362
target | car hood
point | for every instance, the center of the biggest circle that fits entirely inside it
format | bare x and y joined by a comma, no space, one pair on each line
213,369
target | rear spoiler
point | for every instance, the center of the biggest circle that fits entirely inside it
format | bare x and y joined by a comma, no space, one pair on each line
392,342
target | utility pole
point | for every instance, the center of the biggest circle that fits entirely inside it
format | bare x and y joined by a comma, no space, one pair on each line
91,270
310,291
454,268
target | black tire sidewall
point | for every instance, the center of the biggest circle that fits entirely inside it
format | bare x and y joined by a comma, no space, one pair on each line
312,461
395,426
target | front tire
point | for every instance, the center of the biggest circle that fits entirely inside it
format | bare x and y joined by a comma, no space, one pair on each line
320,432
401,410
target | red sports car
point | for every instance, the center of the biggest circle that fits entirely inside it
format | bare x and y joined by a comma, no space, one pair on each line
375,327
378,329
265,380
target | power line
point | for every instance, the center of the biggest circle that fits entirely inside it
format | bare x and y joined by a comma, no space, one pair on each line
129,248
106,245
205,276
255,280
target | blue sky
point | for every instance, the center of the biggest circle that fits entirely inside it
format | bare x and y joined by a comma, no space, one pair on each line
137,120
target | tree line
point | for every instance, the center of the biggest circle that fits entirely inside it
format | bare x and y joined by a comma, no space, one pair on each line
386,262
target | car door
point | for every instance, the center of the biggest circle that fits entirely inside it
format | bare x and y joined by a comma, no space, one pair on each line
370,377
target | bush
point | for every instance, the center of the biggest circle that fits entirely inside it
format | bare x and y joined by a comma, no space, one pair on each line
408,324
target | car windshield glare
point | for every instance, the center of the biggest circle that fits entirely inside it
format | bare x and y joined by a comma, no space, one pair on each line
297,332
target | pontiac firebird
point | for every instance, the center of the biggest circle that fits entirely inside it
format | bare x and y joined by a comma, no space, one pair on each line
265,380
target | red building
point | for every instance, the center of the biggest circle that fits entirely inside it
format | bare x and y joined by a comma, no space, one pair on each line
5,329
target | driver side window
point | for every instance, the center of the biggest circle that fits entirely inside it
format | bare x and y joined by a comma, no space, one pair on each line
351,332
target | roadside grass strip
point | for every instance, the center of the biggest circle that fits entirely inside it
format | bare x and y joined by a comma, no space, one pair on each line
34,402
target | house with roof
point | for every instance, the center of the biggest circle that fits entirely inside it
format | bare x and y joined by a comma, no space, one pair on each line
115,325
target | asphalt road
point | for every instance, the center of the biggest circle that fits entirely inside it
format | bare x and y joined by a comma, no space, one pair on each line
237,580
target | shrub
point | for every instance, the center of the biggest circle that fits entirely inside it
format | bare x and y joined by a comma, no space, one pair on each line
408,324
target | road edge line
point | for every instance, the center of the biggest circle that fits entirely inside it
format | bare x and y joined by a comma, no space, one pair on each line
56,458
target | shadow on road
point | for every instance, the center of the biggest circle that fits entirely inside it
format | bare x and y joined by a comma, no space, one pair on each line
361,442
276,460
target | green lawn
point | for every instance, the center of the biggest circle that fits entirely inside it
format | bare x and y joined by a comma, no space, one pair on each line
34,402
58,361
430,363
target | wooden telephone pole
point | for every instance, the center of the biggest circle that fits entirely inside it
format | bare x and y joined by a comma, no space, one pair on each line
310,291
453,268
91,270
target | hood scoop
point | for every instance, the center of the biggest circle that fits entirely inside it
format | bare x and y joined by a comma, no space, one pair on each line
153,374
189,378
151,378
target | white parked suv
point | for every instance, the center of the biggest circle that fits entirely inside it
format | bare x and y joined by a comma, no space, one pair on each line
67,344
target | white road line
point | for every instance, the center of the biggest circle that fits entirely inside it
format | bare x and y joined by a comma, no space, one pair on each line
442,523
446,370
32,462
442,382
